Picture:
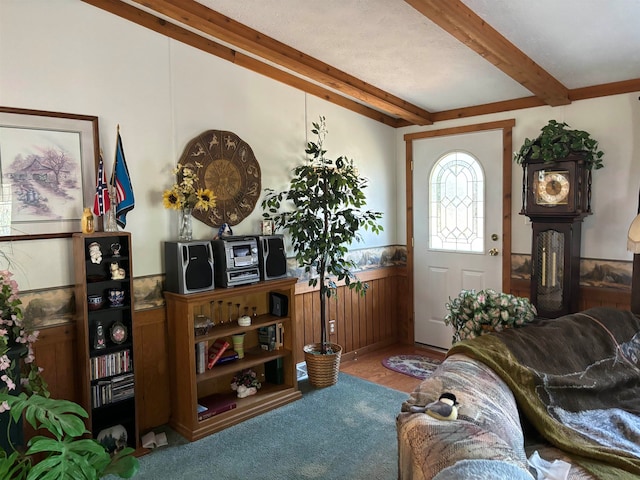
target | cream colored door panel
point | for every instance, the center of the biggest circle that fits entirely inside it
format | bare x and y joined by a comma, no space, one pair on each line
440,275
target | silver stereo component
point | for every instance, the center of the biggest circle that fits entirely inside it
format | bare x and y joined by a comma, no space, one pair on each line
236,261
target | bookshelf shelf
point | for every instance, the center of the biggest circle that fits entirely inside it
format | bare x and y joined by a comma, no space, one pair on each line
188,386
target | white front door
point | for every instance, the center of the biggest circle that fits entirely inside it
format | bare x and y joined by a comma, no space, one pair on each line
466,250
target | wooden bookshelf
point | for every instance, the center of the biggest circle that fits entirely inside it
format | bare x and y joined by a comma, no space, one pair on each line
187,386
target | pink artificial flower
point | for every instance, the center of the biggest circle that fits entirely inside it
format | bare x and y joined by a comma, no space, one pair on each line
4,362
4,407
9,382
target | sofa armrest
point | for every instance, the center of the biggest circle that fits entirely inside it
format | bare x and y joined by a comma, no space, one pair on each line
488,425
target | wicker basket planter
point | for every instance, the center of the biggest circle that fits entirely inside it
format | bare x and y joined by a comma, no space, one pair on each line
322,369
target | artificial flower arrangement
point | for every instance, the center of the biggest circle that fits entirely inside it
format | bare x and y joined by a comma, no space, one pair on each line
187,193
245,383
474,313
14,332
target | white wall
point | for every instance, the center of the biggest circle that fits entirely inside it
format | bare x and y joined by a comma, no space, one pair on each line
613,121
68,56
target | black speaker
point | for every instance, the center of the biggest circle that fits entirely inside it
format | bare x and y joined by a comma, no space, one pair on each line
272,257
188,266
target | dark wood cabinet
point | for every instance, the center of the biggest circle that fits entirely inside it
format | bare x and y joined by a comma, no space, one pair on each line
104,309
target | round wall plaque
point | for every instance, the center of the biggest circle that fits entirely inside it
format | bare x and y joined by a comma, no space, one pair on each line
230,170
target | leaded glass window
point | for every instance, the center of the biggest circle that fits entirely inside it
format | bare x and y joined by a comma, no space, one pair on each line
456,204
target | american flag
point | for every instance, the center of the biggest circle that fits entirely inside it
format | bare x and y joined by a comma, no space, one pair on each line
102,203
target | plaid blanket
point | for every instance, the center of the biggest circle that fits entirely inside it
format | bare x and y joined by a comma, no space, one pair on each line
577,380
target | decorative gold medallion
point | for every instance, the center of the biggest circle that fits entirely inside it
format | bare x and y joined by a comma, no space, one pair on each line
230,170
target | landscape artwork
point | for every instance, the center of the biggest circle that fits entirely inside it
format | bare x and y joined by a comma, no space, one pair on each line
44,168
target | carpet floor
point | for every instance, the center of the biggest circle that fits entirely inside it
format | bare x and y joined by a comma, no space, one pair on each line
416,366
346,431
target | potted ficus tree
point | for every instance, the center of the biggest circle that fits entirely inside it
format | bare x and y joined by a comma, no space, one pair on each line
322,210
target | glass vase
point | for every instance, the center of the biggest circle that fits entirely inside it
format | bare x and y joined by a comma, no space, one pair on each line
185,228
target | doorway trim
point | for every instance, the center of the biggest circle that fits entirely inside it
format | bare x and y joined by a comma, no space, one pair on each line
507,133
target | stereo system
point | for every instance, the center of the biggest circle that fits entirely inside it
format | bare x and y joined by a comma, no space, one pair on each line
236,260
195,266
188,266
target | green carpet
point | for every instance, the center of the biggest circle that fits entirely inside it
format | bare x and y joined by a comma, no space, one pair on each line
346,431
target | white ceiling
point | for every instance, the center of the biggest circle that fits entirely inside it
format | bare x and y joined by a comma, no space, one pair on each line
392,46
407,62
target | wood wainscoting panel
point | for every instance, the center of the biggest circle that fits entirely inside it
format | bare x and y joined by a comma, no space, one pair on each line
362,322
152,368
589,296
55,352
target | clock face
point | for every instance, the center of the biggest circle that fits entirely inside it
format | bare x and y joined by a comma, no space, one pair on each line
552,187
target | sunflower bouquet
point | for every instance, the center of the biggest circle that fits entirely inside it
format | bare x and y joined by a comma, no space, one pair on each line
187,192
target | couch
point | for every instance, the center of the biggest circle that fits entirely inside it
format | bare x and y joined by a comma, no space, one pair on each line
567,388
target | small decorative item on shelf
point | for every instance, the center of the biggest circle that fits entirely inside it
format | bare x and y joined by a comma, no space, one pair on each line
244,321
201,324
187,195
118,333
95,302
238,344
86,223
267,227
245,383
117,273
114,438
95,253
116,297
115,249
99,341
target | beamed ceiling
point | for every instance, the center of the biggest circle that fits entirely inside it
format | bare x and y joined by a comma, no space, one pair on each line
415,62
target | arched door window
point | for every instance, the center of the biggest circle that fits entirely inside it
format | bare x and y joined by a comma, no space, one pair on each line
456,204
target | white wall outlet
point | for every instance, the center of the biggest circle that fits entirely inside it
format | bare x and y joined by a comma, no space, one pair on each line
332,327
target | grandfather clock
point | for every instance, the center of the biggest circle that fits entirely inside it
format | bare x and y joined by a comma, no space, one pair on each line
556,196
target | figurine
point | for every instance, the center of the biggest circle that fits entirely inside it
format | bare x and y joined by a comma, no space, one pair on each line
87,221
115,249
117,273
224,231
94,252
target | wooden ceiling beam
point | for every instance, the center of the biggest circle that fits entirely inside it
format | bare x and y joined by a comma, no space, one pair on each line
210,22
159,25
458,20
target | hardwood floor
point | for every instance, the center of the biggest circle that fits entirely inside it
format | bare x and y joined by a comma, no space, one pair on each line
369,366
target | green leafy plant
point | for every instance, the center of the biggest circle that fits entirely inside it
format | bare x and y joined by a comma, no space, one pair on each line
474,313
323,212
65,455
556,142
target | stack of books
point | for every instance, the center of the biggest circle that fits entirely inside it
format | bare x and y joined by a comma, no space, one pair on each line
218,354
271,337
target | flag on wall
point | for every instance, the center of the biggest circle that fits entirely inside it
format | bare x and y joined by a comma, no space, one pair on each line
102,203
121,182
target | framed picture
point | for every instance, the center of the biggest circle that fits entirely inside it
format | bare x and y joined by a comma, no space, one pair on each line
48,164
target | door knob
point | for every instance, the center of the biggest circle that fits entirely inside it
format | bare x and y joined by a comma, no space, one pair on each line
493,252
